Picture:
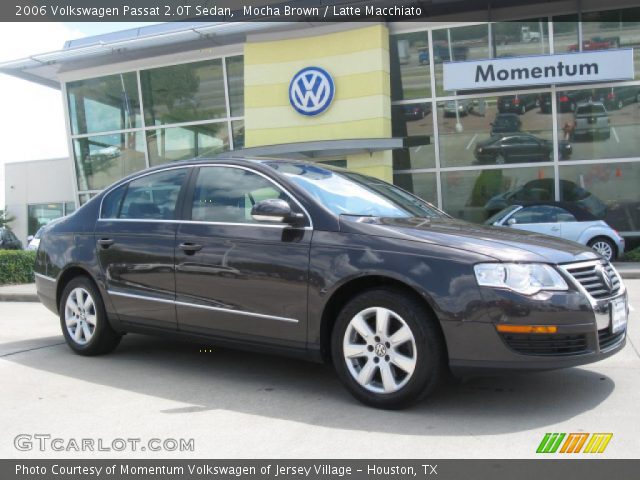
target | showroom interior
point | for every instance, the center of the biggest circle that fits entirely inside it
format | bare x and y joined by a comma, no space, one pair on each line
164,93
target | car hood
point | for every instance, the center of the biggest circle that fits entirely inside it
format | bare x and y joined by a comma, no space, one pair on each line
499,243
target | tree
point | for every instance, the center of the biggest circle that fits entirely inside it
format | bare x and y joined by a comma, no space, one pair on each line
5,219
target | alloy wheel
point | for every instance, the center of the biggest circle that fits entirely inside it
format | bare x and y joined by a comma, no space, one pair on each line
603,248
379,349
80,316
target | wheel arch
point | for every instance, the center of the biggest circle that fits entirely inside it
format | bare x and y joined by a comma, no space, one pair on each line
68,274
354,286
606,237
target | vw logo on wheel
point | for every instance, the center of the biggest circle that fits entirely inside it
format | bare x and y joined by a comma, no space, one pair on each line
311,91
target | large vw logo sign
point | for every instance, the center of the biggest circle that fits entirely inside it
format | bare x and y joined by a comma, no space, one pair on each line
311,91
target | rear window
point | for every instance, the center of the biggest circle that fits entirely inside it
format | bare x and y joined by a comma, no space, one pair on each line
590,110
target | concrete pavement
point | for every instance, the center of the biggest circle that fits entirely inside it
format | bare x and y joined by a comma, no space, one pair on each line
239,405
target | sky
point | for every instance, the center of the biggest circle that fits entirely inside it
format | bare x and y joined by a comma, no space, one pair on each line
32,120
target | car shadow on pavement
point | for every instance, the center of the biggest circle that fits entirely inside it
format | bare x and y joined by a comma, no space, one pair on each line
305,392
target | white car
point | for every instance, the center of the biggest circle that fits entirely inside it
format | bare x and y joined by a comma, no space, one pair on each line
565,220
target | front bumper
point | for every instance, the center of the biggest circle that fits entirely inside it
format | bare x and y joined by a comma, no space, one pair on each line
584,334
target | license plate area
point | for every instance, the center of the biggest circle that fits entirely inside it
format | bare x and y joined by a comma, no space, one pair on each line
618,311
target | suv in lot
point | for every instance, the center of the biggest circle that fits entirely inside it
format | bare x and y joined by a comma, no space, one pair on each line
519,104
566,101
592,120
321,263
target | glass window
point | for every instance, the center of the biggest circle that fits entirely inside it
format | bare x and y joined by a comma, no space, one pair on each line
85,197
183,93
153,196
495,130
181,143
112,201
41,214
477,195
237,127
235,83
410,70
601,122
102,160
104,104
458,44
69,208
565,33
511,39
421,184
225,194
414,120
536,214
609,191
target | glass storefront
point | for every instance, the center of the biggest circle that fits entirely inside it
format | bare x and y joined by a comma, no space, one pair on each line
39,214
491,149
190,110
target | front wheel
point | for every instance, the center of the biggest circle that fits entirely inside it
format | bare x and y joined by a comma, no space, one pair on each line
604,247
387,348
84,320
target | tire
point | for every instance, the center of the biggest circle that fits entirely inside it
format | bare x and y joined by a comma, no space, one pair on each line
81,307
419,349
604,246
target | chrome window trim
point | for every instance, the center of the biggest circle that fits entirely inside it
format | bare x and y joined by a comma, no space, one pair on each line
240,167
204,307
44,277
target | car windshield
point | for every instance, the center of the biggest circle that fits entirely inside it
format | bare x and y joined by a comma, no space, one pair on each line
501,214
349,193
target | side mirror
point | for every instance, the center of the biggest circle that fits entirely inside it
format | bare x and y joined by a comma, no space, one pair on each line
29,238
512,221
275,210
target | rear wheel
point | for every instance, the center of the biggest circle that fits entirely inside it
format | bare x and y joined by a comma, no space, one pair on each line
604,247
387,349
84,320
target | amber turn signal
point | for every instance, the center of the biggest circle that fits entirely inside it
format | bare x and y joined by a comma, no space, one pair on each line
527,328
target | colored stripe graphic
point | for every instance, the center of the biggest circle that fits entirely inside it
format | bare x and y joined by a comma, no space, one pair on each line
598,442
550,442
574,443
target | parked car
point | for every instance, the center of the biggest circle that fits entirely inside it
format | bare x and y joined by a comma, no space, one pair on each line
615,98
321,263
597,43
518,103
463,107
8,240
518,147
565,220
592,120
505,123
416,111
566,101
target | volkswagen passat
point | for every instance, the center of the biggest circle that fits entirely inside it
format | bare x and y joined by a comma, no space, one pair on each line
328,265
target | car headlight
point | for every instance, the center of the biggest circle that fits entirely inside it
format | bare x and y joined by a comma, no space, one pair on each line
525,278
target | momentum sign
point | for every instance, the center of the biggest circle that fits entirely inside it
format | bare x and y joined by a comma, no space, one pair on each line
599,66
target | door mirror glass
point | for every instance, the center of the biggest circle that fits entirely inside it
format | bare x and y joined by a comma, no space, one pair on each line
274,210
512,221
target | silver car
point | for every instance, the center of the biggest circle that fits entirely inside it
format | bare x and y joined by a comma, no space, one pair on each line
565,220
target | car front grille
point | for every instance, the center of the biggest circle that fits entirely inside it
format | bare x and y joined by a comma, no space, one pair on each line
546,344
607,339
591,276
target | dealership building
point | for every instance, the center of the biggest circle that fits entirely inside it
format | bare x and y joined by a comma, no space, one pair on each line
419,104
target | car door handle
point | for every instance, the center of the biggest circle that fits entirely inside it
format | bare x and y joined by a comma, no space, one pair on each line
106,242
555,229
190,248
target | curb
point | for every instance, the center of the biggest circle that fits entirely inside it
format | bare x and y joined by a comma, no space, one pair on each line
18,297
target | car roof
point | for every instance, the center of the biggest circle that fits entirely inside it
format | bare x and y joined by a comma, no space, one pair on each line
581,214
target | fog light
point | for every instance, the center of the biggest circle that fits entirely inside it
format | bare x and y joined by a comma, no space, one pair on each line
527,328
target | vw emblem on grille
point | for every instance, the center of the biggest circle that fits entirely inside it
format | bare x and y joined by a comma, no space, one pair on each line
311,91
606,278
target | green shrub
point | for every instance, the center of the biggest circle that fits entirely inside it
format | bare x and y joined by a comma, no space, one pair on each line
16,266
632,255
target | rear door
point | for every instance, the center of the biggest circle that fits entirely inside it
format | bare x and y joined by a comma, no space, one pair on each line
236,277
135,239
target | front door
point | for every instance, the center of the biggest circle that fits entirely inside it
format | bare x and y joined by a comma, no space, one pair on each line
135,240
236,277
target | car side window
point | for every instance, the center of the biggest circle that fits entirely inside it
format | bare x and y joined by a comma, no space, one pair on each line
112,201
536,214
153,196
226,194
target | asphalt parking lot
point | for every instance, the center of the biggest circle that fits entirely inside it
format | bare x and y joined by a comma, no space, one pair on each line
239,405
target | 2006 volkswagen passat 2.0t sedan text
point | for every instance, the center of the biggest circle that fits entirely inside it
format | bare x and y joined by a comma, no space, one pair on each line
329,265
